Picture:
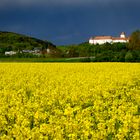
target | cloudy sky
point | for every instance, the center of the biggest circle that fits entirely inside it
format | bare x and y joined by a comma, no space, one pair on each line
69,21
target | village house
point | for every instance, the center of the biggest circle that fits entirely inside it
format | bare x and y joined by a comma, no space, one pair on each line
10,53
109,39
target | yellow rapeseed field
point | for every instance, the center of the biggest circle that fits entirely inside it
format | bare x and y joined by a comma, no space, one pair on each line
69,101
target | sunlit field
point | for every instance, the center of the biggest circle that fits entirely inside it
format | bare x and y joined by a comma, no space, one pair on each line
70,101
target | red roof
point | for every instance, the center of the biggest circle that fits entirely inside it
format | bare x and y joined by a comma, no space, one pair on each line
108,37
102,37
118,38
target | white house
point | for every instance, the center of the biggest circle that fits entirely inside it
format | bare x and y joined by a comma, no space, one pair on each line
109,39
10,53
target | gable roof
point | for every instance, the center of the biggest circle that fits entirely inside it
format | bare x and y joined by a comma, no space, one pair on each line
119,38
108,37
102,37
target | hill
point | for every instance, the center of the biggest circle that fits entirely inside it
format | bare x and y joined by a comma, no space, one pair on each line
10,41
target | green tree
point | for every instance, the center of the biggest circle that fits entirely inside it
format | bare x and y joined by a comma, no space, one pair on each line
136,55
73,52
134,43
128,57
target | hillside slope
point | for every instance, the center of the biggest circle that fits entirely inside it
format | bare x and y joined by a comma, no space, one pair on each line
15,42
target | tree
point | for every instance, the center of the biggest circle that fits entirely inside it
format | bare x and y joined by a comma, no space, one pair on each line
73,52
128,57
136,55
134,43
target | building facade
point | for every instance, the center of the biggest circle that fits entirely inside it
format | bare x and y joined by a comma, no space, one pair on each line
109,39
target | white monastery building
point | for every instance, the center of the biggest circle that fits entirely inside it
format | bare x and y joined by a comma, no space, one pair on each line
109,39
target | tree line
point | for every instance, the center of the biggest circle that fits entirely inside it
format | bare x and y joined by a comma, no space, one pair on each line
115,52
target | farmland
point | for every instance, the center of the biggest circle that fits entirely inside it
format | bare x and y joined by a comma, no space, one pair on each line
70,101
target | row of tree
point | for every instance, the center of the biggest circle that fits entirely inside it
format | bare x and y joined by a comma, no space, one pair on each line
116,52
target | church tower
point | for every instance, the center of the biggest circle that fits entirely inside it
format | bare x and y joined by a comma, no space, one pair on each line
122,35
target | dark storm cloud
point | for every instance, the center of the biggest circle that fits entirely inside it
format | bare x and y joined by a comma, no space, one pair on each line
69,21
6,3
